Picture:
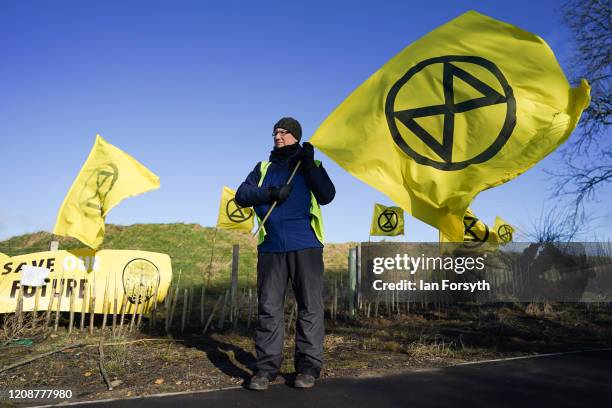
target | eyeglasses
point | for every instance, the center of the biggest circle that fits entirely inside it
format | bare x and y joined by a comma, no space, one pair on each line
282,132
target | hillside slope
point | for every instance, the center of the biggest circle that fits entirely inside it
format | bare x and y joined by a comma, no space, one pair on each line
189,245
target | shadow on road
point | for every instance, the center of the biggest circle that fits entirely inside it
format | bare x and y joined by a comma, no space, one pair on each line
229,358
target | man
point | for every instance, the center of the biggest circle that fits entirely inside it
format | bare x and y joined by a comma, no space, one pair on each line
290,246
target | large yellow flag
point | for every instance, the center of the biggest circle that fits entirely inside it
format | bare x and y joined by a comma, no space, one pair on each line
231,215
469,106
108,177
387,221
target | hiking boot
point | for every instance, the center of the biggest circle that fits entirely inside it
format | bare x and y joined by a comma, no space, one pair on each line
304,381
259,383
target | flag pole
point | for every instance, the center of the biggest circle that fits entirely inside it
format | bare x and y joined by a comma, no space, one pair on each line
274,203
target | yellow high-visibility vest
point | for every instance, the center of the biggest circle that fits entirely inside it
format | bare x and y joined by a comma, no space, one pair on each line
316,218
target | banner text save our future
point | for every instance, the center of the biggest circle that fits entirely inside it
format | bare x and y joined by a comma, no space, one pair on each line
85,273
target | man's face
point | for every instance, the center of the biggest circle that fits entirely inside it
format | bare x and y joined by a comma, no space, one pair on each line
282,137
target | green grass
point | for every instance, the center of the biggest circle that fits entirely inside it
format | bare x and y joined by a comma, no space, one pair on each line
190,248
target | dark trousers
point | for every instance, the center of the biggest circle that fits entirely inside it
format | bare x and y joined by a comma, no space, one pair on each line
305,269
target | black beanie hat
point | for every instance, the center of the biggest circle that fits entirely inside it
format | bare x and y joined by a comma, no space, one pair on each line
291,125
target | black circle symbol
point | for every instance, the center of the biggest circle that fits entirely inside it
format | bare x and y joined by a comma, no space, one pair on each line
140,277
449,108
237,213
92,197
504,232
387,220
469,223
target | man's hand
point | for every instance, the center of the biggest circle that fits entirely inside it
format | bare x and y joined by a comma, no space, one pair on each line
305,155
279,194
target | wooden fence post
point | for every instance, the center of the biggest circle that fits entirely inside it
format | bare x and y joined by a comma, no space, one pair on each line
153,309
234,287
53,245
173,307
59,303
223,311
124,306
358,276
114,308
71,311
19,307
168,308
83,304
36,301
202,303
352,268
136,303
250,308
92,309
377,303
212,314
189,306
185,307
335,300
104,302
144,303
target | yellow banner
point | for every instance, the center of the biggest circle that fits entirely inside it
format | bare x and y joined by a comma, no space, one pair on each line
387,221
467,107
108,177
135,274
231,215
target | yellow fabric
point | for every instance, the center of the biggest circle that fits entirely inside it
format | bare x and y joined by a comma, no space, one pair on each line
316,219
502,231
475,230
4,257
387,221
108,176
231,215
467,107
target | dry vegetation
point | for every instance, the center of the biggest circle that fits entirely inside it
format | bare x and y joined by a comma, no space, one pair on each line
152,361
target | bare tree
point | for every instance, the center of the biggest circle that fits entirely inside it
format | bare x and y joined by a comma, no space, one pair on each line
556,225
588,157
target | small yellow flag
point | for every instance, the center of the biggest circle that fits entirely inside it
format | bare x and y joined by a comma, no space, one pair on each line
467,107
502,231
387,221
108,177
231,215
476,231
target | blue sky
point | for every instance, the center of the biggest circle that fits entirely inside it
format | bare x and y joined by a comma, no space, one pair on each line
192,89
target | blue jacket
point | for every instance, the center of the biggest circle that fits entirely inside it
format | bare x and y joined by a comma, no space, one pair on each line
288,227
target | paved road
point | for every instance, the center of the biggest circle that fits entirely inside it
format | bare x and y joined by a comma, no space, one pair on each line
570,380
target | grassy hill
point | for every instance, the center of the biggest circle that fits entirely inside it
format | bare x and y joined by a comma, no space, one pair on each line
190,247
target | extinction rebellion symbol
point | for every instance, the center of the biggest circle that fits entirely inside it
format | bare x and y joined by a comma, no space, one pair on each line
505,233
236,213
140,277
92,197
444,149
469,223
387,220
